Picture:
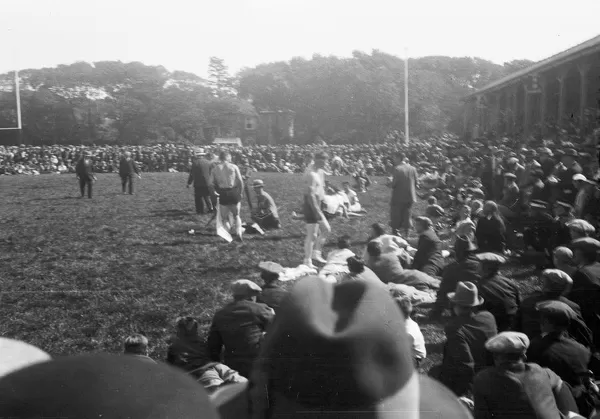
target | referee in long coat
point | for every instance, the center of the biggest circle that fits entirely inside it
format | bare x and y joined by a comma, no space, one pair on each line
200,177
127,168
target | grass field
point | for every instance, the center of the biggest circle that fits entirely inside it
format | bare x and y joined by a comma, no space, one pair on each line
77,275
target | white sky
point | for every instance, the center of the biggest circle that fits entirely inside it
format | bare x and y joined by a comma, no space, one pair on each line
182,34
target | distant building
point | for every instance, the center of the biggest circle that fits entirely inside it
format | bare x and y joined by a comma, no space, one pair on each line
560,91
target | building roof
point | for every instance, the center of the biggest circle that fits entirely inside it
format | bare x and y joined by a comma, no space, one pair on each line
585,48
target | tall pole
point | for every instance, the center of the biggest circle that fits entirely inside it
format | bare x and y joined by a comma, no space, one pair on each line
406,134
18,96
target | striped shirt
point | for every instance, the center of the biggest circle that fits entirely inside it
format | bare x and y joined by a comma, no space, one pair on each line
226,175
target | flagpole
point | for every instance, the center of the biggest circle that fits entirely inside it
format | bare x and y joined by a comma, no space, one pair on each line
406,133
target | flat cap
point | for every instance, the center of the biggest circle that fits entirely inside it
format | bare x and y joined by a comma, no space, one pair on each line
581,226
564,205
571,152
512,160
563,252
490,257
579,177
556,310
424,220
244,287
536,203
556,280
258,183
536,164
272,267
545,150
509,175
587,244
508,343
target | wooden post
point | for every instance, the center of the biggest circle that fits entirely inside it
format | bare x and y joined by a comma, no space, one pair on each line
583,92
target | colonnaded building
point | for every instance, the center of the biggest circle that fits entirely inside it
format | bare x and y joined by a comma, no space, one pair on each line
559,93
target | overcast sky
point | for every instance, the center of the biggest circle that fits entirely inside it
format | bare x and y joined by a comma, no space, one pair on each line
182,34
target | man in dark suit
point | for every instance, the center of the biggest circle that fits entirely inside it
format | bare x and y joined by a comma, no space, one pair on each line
429,258
127,168
200,177
466,333
85,173
238,328
404,194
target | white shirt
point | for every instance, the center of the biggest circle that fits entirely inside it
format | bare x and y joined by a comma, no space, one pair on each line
339,256
418,344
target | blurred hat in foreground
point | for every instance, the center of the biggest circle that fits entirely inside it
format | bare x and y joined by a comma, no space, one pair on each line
508,343
339,351
103,386
581,226
587,244
557,311
465,295
489,257
15,355
271,267
556,280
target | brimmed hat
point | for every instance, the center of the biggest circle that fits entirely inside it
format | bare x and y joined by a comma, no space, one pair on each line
581,226
465,295
510,176
100,385
257,183
489,257
570,152
424,220
579,177
508,343
464,244
271,267
587,244
15,355
244,287
564,205
338,351
555,280
546,151
536,203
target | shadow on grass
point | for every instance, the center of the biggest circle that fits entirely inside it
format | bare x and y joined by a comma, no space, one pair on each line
57,198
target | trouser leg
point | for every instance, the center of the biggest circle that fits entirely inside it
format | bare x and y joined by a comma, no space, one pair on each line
82,187
130,180
124,183
89,188
199,202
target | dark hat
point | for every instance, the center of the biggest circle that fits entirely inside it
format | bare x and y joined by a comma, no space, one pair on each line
536,203
336,350
556,310
564,205
102,386
587,244
545,150
271,267
489,257
508,343
465,295
510,176
244,287
258,183
570,152
424,220
464,244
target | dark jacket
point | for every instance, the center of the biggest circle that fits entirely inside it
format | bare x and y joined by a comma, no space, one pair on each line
272,294
200,174
523,391
387,267
466,270
127,167
464,352
501,298
586,293
85,169
490,234
238,327
404,184
429,251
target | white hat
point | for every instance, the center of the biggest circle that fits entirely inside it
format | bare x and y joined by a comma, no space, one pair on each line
579,176
16,355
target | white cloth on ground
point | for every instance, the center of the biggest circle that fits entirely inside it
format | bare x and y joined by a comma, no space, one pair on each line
289,274
415,296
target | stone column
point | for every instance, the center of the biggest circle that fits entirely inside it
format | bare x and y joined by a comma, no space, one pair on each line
543,100
562,96
583,93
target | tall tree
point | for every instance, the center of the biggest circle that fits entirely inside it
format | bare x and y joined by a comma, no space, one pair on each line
222,84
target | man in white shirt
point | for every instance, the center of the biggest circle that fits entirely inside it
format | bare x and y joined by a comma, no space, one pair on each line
412,328
317,225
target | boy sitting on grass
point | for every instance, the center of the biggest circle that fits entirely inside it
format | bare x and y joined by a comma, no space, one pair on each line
412,328
337,261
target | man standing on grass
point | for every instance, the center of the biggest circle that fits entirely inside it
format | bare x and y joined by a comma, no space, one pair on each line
127,168
317,225
85,174
404,195
200,177
227,181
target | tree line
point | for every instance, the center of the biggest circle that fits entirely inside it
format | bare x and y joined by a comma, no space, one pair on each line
355,99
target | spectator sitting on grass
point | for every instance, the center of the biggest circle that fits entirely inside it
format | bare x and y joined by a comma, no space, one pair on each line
137,345
215,375
353,205
412,328
429,258
389,244
272,293
386,266
357,271
186,349
337,264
